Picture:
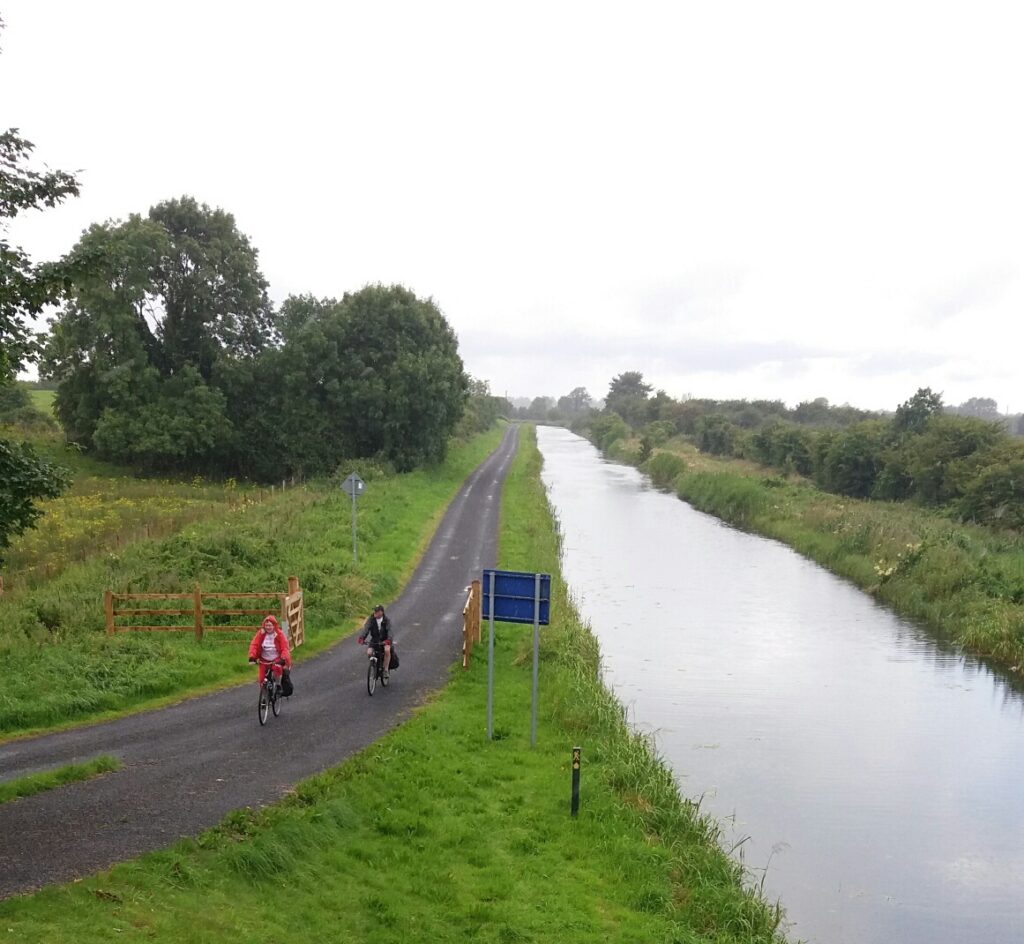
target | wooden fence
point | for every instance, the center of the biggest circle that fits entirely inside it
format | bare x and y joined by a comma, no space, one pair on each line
290,612
470,622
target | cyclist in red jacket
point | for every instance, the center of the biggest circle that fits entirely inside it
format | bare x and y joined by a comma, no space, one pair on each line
270,647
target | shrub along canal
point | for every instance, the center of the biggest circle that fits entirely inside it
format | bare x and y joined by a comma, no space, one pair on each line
869,776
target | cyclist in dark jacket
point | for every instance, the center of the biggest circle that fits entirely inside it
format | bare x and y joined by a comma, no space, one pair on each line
376,633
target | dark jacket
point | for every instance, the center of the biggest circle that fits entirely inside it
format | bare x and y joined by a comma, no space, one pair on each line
374,635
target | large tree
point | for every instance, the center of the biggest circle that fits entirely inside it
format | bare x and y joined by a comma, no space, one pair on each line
627,396
913,415
378,373
24,289
171,298
213,294
575,402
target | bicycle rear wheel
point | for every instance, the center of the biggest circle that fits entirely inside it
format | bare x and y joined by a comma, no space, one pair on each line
275,701
371,676
263,705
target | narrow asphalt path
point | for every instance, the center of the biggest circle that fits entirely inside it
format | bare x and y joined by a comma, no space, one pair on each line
187,766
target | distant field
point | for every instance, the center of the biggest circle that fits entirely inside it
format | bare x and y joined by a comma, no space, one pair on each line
43,400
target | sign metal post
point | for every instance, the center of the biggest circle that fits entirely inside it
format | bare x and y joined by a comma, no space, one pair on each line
354,486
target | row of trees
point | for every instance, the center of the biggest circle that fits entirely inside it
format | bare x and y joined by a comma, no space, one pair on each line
170,357
922,452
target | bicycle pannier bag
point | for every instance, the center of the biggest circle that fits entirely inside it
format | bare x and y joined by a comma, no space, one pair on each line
286,683
394,657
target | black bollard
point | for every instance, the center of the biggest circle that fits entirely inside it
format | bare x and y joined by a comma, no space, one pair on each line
575,806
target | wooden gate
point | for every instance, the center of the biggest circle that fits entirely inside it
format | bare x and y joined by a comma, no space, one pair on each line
290,610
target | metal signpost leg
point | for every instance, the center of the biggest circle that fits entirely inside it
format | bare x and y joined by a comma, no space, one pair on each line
355,559
536,647
490,669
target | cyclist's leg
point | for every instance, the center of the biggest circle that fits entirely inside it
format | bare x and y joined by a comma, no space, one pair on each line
387,655
262,670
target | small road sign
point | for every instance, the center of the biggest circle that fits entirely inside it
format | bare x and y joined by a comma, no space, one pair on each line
353,486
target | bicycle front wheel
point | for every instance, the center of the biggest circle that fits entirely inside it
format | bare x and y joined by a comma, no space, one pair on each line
371,676
263,705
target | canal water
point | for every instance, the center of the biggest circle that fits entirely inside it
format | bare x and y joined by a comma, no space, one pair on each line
873,779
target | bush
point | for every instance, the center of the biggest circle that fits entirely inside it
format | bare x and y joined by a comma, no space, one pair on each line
607,429
664,468
996,496
716,435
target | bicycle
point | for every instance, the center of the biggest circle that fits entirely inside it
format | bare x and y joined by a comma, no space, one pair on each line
271,693
375,670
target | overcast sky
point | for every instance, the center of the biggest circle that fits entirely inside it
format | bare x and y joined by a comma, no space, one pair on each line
759,200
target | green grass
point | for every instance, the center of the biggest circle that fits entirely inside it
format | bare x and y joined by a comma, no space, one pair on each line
50,779
71,671
435,834
42,400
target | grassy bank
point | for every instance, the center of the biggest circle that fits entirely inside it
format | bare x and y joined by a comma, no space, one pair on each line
435,834
965,582
51,779
69,670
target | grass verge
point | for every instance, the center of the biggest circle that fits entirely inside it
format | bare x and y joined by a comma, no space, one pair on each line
48,780
435,834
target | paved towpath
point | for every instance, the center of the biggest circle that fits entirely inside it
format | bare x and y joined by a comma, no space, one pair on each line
187,766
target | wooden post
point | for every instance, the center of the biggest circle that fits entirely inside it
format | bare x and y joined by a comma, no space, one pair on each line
296,630
475,611
470,622
197,605
108,610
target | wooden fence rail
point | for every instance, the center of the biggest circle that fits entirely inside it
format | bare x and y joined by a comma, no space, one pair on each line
470,622
290,611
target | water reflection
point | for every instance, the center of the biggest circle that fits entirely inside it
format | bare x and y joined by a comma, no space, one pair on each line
875,774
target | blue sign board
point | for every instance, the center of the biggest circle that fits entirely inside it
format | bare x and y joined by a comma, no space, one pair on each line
514,596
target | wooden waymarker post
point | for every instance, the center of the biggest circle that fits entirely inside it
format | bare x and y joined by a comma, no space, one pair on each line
470,622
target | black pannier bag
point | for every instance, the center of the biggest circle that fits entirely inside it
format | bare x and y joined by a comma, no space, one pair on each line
394,658
286,683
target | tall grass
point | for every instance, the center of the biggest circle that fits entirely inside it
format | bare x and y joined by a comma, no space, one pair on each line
436,834
106,513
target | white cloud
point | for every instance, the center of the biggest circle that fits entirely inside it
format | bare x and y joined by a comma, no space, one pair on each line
747,200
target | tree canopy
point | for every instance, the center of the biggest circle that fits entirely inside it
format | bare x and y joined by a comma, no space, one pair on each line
386,365
24,289
164,300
